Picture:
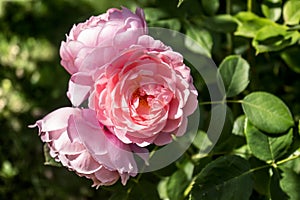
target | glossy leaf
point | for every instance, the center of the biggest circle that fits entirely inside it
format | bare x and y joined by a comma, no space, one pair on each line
201,40
291,12
267,112
225,178
265,147
234,71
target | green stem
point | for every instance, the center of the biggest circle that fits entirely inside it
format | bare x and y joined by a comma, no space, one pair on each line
288,159
249,5
220,102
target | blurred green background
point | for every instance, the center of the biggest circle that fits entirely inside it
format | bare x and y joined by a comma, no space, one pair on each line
32,83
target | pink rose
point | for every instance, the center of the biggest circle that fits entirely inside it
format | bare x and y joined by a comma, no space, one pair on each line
95,37
82,144
144,95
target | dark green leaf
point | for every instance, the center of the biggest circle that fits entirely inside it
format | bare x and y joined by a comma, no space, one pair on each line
221,23
264,147
291,12
290,57
173,24
234,71
226,178
261,177
276,191
290,183
210,7
249,24
267,112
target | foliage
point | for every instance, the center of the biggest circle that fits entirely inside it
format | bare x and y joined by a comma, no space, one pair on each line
254,43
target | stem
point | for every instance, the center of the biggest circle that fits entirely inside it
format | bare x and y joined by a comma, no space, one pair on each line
249,5
288,159
229,35
220,102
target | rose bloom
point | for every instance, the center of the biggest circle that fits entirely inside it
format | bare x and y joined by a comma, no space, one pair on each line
144,95
77,140
117,28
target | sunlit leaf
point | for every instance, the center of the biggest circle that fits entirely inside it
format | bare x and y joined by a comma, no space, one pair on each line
249,24
272,9
234,71
274,38
265,147
225,178
291,12
267,112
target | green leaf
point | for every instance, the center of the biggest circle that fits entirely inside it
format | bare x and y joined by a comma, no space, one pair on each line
265,147
201,40
238,126
290,57
173,24
274,38
290,183
179,3
48,159
261,177
249,24
225,178
234,71
210,7
162,188
272,9
291,12
221,23
267,112
177,184
276,191
202,142
154,14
